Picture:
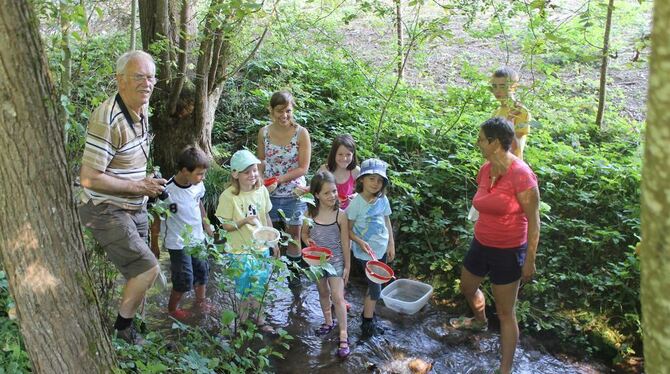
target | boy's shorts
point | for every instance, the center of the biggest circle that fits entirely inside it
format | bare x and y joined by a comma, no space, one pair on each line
502,265
122,234
187,270
292,207
374,289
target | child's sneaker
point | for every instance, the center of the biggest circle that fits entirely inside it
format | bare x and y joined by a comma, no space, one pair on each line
181,314
294,281
369,328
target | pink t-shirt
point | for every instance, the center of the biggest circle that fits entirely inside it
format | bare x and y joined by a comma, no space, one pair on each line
502,222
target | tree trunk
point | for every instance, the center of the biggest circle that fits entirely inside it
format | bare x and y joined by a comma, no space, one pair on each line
42,247
399,37
603,66
655,250
133,16
184,108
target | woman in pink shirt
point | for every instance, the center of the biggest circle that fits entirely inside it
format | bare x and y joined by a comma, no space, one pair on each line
506,235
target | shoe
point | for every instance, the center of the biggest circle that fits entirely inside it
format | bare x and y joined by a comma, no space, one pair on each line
343,349
181,314
369,329
130,335
294,281
471,324
325,329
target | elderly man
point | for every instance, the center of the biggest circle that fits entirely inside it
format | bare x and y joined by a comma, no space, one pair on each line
116,185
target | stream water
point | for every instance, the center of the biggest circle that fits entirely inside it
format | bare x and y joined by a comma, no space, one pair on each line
423,335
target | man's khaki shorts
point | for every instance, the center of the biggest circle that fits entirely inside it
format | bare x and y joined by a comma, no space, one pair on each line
122,234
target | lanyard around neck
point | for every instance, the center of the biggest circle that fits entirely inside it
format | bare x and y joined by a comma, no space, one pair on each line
131,123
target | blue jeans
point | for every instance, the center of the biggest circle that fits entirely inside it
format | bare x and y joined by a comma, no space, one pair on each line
292,207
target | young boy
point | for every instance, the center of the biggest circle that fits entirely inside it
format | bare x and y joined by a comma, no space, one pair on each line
503,85
186,191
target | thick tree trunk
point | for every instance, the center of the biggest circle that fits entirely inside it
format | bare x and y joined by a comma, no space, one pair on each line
42,247
655,251
602,94
184,108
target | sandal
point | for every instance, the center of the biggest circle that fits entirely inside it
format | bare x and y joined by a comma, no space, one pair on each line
325,329
465,323
343,348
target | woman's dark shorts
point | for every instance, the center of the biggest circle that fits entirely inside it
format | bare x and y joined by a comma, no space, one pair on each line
187,270
502,265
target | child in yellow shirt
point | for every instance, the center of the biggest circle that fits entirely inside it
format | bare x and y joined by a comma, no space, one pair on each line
503,85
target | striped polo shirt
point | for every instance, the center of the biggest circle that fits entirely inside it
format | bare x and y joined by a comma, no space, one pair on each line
117,144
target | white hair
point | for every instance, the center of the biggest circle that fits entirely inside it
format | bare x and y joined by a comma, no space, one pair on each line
126,57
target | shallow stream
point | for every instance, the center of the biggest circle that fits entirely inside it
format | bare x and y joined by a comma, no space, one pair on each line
423,335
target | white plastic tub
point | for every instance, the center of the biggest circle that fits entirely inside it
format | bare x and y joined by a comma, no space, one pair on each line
406,296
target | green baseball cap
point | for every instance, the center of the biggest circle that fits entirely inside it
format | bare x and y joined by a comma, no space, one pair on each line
242,159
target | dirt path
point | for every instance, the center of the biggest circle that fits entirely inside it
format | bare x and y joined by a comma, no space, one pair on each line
439,64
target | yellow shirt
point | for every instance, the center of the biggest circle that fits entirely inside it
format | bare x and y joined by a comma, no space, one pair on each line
236,207
520,118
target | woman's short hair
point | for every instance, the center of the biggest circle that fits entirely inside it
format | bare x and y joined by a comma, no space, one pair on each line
499,128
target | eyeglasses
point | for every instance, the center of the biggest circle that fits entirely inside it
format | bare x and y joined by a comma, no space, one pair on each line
141,78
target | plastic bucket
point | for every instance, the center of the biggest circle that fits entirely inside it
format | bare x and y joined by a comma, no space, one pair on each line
313,255
266,236
406,295
378,271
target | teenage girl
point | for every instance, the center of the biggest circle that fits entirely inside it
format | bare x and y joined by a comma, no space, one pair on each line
370,230
330,230
343,163
285,151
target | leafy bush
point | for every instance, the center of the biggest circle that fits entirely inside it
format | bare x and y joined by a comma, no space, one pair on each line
589,183
13,357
